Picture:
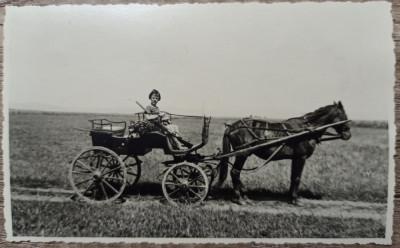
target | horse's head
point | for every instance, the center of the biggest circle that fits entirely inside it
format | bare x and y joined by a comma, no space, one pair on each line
328,115
340,115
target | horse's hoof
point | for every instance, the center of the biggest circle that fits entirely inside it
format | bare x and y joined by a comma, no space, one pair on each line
212,197
248,201
218,185
293,201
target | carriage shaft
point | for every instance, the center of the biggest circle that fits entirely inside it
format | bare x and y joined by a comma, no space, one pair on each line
267,143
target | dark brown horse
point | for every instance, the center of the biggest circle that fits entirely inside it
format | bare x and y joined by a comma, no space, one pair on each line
245,132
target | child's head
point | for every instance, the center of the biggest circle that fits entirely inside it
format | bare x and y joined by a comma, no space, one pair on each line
154,97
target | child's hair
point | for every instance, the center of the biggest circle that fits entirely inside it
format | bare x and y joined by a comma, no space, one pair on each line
155,92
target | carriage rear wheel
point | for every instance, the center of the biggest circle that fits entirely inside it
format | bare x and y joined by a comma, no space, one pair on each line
97,174
210,172
133,170
185,184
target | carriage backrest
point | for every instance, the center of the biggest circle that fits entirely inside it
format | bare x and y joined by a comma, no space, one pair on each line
116,128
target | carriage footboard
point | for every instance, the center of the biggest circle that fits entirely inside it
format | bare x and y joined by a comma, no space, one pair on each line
204,139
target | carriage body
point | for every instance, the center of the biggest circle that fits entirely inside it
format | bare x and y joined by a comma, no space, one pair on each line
125,145
114,136
102,172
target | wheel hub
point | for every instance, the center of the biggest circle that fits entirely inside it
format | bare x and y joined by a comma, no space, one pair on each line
97,175
185,185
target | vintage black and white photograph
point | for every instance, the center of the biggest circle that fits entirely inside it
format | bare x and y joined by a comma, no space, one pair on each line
215,122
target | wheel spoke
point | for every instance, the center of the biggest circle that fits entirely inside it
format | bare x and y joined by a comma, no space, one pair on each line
85,157
125,158
104,190
115,169
131,165
110,186
100,161
176,177
195,193
201,181
92,158
131,173
84,181
119,173
106,165
185,174
87,189
195,179
82,172
114,178
173,184
198,186
84,165
186,199
128,183
173,192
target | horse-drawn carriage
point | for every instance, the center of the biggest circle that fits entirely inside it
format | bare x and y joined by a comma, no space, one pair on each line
102,172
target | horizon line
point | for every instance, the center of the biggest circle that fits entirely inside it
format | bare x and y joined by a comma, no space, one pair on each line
124,113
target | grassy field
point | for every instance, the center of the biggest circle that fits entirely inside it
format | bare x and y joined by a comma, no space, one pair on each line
41,145
112,220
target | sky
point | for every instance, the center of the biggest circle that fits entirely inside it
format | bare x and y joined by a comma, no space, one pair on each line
233,59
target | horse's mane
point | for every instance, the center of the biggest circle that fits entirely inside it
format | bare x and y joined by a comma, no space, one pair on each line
320,115
317,117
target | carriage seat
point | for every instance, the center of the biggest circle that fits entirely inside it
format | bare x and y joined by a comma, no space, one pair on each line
113,129
116,130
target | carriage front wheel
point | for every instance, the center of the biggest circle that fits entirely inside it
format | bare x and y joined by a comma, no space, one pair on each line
97,174
185,184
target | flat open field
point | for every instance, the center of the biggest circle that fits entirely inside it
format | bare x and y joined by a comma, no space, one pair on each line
352,173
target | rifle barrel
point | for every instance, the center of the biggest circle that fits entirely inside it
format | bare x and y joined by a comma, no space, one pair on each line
138,103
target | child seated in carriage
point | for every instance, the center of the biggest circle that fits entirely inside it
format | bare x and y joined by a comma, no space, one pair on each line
153,114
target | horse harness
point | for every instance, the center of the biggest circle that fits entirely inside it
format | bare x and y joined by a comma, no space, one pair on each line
257,138
267,127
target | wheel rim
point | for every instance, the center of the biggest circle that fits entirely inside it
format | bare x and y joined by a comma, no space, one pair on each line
97,174
185,184
133,170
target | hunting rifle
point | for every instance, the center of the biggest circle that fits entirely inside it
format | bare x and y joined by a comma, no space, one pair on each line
144,109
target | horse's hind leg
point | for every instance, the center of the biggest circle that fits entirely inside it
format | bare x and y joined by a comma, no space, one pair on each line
297,169
238,186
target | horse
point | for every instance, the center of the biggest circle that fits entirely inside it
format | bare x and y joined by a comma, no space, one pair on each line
245,132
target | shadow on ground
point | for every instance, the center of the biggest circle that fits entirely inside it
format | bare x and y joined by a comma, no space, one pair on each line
227,194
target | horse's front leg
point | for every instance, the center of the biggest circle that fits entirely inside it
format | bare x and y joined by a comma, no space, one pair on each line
297,169
238,186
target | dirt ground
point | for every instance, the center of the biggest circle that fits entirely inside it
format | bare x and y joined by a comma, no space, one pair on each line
306,207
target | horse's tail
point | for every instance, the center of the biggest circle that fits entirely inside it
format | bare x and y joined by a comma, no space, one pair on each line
223,164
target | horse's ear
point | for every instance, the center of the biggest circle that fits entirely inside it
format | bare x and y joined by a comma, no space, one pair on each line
340,104
334,103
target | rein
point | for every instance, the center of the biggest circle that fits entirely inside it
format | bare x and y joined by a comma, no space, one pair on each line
287,130
171,114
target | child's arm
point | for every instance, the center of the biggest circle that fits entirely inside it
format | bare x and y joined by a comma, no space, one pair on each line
151,117
152,114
